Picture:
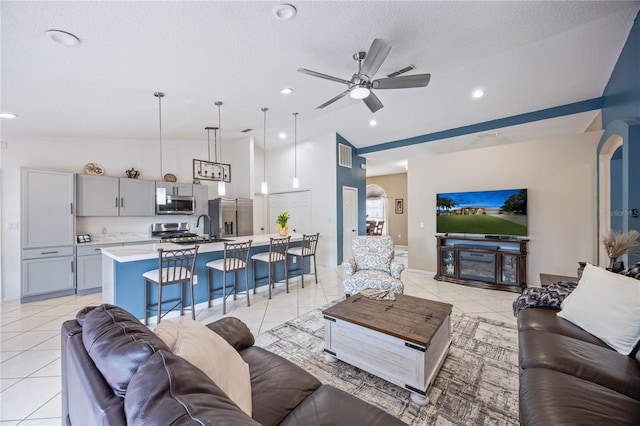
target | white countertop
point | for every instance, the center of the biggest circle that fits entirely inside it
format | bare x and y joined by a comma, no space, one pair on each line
132,253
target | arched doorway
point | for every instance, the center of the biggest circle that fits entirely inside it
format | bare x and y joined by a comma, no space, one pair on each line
377,209
610,195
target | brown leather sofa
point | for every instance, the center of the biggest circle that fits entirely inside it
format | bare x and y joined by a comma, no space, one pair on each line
570,377
116,371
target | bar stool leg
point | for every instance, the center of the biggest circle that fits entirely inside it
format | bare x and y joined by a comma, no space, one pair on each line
235,285
302,269
209,281
246,286
159,303
315,270
193,300
146,302
255,274
269,282
286,276
224,292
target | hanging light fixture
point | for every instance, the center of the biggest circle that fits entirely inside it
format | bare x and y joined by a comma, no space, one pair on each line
295,150
222,189
161,193
263,186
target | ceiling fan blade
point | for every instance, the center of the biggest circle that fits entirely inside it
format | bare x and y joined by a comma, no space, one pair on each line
375,57
332,100
403,82
372,102
325,76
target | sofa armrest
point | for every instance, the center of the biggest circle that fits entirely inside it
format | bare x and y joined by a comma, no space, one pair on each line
396,269
234,331
350,267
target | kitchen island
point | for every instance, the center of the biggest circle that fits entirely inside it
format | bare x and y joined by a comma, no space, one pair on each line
122,269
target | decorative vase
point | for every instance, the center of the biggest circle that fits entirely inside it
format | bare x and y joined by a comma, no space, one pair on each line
283,230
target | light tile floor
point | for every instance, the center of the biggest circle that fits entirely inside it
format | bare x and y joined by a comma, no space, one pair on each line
30,333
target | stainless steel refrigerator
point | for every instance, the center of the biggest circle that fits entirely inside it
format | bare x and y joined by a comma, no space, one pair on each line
230,217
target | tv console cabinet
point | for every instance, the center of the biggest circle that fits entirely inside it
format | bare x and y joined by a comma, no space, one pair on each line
494,263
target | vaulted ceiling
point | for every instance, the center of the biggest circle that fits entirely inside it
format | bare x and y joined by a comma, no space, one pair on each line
526,56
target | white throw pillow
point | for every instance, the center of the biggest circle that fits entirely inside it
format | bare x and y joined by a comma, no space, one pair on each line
606,305
213,355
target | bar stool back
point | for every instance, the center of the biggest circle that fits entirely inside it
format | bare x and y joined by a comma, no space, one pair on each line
174,267
308,249
277,253
236,258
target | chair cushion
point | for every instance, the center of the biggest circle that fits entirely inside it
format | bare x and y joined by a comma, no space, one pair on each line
169,390
231,264
269,257
300,251
214,356
371,279
168,274
118,344
373,252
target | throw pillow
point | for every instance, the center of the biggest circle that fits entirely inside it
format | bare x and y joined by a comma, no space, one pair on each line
606,305
167,331
632,271
214,356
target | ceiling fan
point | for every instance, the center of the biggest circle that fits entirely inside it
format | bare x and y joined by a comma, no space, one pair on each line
361,84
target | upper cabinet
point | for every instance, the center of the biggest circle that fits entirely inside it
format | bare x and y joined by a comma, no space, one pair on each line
174,188
112,196
47,208
200,197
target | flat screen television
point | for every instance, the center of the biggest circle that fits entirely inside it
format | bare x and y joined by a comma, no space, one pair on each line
496,213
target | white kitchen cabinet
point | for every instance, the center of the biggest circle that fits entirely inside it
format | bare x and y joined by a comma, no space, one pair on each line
89,273
201,198
174,188
111,196
47,234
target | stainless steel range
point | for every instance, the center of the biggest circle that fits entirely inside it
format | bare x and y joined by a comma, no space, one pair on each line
174,233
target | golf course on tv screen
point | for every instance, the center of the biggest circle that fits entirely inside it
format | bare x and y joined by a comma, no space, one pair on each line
499,212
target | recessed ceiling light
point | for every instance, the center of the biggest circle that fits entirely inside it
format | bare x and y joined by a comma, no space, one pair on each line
62,37
282,135
372,122
8,115
478,93
286,90
284,12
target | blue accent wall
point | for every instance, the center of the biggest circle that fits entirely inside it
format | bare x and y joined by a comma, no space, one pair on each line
355,177
621,116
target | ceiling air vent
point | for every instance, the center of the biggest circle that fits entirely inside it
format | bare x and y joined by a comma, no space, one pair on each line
344,155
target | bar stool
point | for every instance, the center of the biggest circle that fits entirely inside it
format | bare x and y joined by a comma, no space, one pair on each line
277,253
236,258
174,267
308,249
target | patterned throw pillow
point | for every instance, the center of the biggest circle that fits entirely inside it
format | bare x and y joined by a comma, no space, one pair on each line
632,271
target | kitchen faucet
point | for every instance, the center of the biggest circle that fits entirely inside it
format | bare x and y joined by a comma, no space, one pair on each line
199,217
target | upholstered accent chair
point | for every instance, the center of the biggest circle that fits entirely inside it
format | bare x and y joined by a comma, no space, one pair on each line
371,266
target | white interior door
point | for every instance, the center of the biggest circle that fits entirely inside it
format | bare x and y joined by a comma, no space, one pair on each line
259,215
298,204
349,219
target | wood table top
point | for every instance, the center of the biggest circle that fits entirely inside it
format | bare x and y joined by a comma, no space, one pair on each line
409,318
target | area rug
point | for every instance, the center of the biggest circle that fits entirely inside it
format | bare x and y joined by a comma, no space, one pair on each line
477,384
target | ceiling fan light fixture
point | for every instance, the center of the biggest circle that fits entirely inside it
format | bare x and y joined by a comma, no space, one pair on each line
359,92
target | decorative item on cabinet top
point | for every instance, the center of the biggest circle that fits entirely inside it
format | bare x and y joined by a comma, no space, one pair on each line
93,169
169,177
133,173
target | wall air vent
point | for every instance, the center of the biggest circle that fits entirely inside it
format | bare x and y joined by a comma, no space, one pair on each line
344,155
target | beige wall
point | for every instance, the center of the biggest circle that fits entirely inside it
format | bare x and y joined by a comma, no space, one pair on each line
560,175
395,186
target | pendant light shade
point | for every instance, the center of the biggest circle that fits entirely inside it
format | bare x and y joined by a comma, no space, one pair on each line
161,193
222,189
296,184
263,186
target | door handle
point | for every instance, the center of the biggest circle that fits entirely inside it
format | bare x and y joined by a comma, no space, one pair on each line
116,202
121,202
49,252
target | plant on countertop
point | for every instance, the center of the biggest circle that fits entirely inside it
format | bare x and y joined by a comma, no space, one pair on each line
282,220
618,243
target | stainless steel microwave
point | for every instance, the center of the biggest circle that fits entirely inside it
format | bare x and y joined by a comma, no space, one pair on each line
175,204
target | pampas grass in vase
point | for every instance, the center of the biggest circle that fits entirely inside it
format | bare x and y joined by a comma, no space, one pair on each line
617,244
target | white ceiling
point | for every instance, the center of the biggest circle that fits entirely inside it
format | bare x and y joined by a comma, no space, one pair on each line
527,56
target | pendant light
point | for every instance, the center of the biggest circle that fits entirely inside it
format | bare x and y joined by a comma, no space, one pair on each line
161,193
263,186
295,151
222,189
208,129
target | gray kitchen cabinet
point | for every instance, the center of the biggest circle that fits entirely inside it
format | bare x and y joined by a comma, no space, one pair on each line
47,234
89,273
201,198
174,188
111,196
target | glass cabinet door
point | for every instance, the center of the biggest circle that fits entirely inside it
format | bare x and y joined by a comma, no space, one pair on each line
509,268
448,262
